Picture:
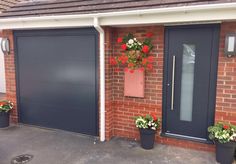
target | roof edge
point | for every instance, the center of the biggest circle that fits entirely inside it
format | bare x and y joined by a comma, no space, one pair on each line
226,7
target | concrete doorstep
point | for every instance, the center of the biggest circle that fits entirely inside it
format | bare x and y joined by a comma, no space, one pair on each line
60,147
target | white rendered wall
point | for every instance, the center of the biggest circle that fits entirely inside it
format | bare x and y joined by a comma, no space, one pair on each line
2,72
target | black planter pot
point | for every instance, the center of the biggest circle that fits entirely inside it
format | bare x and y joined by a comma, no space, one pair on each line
4,119
225,152
147,137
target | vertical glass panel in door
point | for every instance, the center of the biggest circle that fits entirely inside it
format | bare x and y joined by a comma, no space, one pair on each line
187,82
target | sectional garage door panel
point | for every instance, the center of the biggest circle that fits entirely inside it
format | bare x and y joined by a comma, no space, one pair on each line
57,79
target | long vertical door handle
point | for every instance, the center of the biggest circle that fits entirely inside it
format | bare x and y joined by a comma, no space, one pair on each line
173,84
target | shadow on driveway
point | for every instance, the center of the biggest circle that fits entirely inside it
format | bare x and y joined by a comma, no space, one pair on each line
60,147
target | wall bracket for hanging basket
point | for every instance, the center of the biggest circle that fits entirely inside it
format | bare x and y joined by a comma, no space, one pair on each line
134,84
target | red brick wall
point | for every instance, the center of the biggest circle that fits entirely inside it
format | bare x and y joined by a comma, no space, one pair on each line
125,108
226,83
10,74
108,81
120,110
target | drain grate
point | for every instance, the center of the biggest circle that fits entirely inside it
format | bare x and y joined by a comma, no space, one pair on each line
22,159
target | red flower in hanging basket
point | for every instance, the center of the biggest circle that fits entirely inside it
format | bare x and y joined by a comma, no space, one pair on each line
119,40
123,58
126,69
145,49
123,46
149,34
144,61
150,66
131,71
150,59
113,61
130,65
141,69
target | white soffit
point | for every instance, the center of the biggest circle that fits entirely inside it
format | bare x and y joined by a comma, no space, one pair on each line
183,14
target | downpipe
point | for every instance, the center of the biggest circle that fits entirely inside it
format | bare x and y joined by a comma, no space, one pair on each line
102,77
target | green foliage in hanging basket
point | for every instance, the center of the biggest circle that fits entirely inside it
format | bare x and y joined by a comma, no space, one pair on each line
136,54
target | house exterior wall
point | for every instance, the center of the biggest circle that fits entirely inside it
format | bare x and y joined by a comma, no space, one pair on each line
10,74
125,108
120,110
226,83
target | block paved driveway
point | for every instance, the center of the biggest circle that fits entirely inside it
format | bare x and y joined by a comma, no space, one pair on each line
60,147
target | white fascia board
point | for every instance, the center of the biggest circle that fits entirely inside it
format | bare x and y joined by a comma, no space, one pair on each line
209,12
46,23
165,18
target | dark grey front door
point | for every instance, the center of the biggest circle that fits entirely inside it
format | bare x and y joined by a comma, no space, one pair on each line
57,79
191,54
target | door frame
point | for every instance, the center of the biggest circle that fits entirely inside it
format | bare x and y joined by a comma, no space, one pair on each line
213,78
58,32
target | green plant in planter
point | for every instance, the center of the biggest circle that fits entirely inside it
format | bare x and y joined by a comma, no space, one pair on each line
6,106
222,132
148,126
147,122
224,136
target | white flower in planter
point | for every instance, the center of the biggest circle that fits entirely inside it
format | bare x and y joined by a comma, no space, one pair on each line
233,137
153,128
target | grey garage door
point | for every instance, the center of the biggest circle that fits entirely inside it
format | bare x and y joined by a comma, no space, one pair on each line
57,79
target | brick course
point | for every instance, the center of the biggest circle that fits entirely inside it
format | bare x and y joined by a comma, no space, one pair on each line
226,83
120,110
10,74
